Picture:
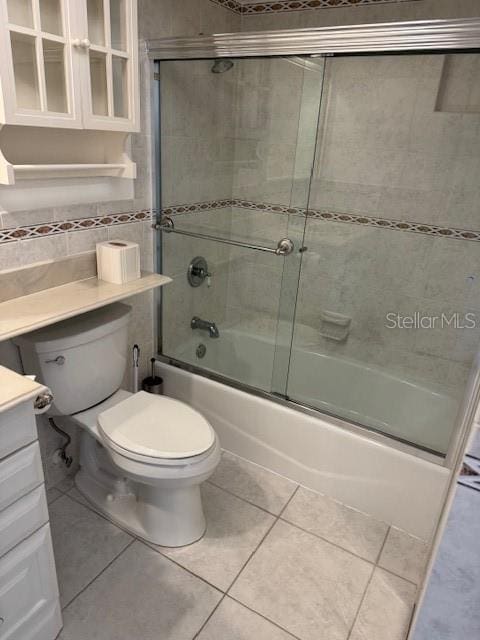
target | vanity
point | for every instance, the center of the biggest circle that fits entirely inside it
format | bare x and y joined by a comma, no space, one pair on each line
29,596
29,599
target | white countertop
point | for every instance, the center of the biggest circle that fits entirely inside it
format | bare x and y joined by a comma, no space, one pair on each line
15,388
37,310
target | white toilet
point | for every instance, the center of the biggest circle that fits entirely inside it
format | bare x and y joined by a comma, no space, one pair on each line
142,456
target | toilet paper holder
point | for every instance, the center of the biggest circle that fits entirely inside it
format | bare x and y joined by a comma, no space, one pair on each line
43,401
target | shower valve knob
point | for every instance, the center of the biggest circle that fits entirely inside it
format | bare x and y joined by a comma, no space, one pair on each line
198,272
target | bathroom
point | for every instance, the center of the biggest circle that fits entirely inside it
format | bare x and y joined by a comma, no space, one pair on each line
304,205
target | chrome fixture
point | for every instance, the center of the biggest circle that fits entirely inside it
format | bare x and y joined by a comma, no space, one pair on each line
284,246
197,272
201,351
58,360
43,400
463,33
221,65
205,325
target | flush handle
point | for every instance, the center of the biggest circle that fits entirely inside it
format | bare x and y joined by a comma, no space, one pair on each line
58,360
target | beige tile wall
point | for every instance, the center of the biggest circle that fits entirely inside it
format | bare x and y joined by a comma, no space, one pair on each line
366,14
197,132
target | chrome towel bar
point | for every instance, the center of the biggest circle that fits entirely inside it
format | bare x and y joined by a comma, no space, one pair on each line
284,247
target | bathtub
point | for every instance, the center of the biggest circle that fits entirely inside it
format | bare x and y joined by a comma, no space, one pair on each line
352,466
399,408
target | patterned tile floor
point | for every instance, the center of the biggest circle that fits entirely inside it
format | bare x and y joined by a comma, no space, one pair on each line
278,561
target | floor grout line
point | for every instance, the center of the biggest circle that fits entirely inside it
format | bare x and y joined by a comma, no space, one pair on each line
129,544
397,575
275,624
209,616
297,489
383,546
334,544
261,541
251,555
362,600
236,495
151,546
49,503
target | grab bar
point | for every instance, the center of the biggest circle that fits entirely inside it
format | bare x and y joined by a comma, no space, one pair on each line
284,247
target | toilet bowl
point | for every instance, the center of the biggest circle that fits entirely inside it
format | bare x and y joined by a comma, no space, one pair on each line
142,457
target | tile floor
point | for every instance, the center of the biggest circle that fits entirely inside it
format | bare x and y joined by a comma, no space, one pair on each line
278,561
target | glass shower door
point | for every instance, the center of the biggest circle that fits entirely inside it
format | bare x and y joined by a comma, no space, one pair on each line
236,165
387,317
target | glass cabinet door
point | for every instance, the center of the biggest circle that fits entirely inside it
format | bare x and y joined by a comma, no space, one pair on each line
39,68
112,60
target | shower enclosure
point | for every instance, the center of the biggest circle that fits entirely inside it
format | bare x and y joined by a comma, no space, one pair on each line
319,214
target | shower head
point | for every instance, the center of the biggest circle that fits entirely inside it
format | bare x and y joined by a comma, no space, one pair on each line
221,65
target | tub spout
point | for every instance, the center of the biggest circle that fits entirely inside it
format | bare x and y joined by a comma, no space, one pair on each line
205,325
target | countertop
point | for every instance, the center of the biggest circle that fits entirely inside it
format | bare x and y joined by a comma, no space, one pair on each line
15,388
37,310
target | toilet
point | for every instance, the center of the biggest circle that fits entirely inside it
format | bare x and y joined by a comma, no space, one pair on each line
143,457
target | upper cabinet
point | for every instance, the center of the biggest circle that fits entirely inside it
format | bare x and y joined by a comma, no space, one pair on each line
69,64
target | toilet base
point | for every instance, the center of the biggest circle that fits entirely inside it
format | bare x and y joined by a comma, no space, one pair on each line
168,515
166,518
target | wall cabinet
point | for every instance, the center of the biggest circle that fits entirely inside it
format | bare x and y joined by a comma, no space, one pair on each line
69,64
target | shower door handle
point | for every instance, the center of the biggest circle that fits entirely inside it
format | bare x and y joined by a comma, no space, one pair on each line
284,246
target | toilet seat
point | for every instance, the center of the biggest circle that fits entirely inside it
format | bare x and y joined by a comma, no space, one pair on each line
156,430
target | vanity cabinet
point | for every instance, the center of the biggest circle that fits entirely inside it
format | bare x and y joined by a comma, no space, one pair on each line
29,599
69,64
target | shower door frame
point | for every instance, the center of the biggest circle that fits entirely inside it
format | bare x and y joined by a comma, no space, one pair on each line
393,37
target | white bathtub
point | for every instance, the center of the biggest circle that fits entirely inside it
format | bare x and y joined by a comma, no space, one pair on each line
356,392
392,485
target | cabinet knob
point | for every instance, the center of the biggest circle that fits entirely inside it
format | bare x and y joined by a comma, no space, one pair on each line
83,43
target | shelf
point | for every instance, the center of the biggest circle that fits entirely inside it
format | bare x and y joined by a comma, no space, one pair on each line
37,310
33,153
10,173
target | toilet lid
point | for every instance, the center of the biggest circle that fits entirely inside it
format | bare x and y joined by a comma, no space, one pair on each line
157,427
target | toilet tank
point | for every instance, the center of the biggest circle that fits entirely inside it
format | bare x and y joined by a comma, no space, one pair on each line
82,360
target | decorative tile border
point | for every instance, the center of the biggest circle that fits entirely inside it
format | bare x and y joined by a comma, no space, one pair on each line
66,226
280,6
330,216
196,207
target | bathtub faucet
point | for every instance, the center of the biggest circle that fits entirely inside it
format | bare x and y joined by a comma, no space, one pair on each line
205,325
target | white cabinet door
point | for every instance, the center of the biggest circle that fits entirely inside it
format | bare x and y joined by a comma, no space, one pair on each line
110,64
39,68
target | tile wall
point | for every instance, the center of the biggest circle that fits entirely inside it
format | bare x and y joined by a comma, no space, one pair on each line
277,15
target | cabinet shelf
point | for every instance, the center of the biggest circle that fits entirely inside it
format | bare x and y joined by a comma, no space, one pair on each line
30,153
10,173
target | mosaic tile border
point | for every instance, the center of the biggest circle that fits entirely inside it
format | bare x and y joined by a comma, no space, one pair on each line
45,229
280,6
331,216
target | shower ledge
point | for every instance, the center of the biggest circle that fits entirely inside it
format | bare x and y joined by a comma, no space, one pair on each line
40,309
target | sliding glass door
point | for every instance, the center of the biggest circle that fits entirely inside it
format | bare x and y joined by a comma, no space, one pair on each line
387,321
367,167
237,146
